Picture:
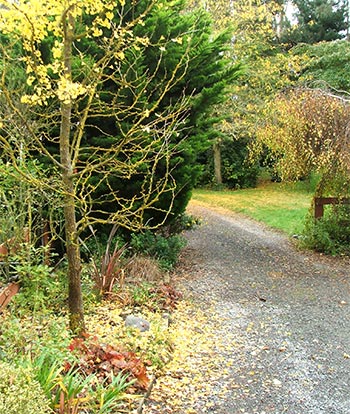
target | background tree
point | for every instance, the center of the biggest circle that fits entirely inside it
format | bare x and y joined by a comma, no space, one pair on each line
317,20
74,92
221,11
268,69
327,65
307,131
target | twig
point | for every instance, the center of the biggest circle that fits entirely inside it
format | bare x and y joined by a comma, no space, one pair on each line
147,394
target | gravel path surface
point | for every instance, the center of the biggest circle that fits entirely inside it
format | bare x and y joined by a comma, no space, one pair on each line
286,311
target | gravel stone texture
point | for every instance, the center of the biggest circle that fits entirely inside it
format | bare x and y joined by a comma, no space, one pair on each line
288,311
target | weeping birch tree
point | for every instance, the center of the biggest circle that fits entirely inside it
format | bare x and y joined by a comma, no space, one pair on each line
306,131
63,96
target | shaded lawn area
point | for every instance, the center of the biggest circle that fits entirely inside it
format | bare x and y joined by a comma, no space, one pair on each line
279,205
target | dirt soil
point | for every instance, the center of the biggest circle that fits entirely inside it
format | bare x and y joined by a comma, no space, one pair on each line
281,314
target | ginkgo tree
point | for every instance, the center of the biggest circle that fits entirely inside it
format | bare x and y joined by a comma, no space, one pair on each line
63,96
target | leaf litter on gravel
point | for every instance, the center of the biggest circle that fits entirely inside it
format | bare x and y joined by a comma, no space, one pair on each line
200,372
202,356
191,367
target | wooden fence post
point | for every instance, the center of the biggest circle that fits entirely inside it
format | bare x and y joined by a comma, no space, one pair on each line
319,202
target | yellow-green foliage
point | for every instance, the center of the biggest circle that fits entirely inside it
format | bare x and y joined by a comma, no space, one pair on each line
154,345
20,393
307,130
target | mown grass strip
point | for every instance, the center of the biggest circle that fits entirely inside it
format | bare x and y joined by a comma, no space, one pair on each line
279,205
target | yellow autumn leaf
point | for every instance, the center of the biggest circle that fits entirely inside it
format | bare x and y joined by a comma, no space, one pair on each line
110,15
97,32
30,80
177,40
120,55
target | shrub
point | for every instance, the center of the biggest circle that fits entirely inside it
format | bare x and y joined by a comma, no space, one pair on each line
329,234
165,249
108,264
20,337
108,363
181,223
237,172
20,393
40,287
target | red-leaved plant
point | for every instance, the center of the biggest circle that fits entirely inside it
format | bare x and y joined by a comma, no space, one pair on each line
108,268
104,360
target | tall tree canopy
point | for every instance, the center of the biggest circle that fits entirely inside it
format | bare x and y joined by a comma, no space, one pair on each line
203,83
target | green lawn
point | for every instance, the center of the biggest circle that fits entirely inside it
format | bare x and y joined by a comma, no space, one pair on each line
281,206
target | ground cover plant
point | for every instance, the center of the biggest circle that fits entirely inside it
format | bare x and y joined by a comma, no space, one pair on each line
111,367
20,392
108,370
97,374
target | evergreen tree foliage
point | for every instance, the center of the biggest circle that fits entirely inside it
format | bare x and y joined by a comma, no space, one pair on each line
317,20
327,65
202,80
208,74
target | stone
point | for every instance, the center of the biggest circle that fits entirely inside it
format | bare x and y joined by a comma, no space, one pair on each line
137,322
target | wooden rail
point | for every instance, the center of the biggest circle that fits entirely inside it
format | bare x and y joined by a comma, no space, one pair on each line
320,202
9,246
6,294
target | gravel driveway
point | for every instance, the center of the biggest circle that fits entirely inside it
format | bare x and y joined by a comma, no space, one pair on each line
286,311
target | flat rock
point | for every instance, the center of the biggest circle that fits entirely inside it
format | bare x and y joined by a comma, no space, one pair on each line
137,322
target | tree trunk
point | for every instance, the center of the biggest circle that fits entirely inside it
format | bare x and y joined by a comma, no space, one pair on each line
75,302
217,163
76,314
